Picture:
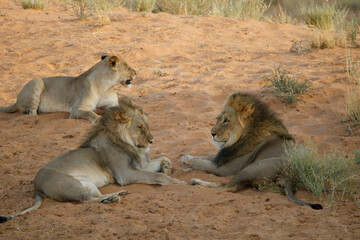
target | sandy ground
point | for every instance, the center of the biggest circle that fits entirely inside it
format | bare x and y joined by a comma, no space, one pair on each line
204,59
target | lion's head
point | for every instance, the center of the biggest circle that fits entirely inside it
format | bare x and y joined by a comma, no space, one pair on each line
127,124
243,116
124,72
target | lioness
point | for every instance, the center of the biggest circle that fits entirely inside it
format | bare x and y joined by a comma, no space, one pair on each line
116,151
77,95
251,140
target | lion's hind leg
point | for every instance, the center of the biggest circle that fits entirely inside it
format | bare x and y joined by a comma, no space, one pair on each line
96,196
29,97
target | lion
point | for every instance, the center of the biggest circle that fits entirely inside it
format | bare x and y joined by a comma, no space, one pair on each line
77,95
115,151
251,142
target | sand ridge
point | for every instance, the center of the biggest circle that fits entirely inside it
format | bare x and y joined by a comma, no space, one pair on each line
204,59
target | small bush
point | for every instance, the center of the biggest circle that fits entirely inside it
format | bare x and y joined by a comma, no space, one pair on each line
287,87
353,69
34,4
245,9
327,174
281,16
253,9
357,157
140,5
319,16
352,111
323,39
352,32
82,8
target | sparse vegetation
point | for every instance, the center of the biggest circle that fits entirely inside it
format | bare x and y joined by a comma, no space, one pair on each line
319,16
244,9
281,15
352,111
34,4
82,8
328,173
353,69
103,18
323,39
253,9
140,5
336,26
159,71
357,157
287,87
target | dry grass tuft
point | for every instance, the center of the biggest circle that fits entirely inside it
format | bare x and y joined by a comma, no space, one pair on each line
287,87
323,39
34,4
330,173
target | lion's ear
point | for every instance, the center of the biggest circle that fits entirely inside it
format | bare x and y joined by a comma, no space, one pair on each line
245,111
248,110
104,56
113,61
121,117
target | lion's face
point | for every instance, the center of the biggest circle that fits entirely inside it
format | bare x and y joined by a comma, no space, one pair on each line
126,74
228,128
132,126
140,132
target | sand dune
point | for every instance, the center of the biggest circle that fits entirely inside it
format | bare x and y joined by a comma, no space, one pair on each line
203,59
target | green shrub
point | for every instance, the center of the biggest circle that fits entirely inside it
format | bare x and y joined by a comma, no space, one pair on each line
82,8
245,9
140,5
34,4
253,9
287,87
319,16
327,174
357,157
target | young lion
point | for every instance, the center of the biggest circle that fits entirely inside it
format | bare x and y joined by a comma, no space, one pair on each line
77,95
251,143
116,151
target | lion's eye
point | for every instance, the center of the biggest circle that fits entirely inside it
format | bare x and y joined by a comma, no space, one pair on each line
225,121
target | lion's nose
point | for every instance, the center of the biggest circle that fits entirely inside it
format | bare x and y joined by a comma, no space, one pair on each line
213,134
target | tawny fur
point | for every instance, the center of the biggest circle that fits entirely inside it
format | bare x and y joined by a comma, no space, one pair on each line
77,95
251,142
115,151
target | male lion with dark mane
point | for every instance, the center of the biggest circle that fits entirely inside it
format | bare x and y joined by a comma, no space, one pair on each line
77,95
116,151
251,142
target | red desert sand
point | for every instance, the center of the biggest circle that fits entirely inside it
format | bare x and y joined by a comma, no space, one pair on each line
204,59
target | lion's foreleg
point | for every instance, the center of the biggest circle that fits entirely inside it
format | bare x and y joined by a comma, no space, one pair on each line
84,114
224,186
146,177
162,164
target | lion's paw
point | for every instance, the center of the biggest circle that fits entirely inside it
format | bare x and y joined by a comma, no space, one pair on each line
187,159
112,199
166,166
180,182
195,181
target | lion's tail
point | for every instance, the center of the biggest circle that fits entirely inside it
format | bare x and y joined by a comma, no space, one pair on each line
291,197
10,109
37,204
